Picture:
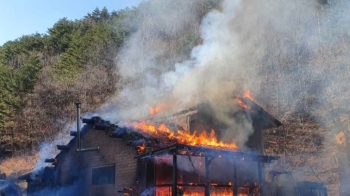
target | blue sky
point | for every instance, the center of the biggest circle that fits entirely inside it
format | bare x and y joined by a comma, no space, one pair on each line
24,17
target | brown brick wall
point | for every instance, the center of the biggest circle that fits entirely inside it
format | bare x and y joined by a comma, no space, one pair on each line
113,151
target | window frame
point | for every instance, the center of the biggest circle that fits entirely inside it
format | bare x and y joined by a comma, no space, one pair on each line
94,181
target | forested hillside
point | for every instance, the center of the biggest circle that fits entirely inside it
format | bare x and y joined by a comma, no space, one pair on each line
292,55
41,76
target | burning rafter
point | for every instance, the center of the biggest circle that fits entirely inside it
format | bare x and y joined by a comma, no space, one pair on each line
183,137
260,113
181,149
243,105
159,135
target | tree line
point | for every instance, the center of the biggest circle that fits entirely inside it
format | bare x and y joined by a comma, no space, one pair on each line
40,70
42,75
302,70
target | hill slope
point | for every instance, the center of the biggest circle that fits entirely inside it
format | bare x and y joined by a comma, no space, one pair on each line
292,56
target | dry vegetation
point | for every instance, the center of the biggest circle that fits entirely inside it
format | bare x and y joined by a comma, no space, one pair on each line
48,109
51,107
18,165
300,75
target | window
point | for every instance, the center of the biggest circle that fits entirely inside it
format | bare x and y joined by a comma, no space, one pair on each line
103,175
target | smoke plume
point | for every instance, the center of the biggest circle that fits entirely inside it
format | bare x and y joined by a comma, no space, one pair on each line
291,55
212,73
49,150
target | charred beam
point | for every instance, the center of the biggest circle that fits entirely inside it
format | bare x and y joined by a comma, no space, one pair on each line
99,124
146,143
53,161
105,125
235,179
88,121
50,160
261,113
62,147
88,149
210,152
168,150
181,149
138,142
119,132
260,177
207,188
92,121
192,109
174,187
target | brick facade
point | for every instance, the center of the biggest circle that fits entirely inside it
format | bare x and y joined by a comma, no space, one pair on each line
74,169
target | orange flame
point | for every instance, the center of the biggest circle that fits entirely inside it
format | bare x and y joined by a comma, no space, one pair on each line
164,191
243,105
157,109
224,192
248,95
183,137
141,149
192,189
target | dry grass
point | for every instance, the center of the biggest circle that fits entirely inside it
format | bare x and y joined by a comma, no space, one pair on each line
16,166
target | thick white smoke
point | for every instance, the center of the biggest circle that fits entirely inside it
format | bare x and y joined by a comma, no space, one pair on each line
151,52
213,73
48,150
292,55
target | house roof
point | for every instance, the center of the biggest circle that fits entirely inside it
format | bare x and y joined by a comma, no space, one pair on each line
29,176
254,111
258,115
186,150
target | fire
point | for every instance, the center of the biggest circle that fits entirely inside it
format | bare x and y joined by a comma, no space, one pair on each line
165,191
157,109
224,192
141,149
243,105
193,189
248,95
183,137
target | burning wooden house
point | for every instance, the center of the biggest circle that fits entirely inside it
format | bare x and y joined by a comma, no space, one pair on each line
163,159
